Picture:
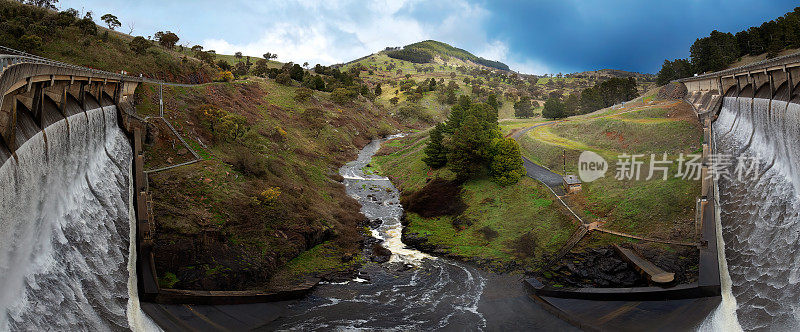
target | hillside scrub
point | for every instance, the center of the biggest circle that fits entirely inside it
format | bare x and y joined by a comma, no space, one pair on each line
63,36
267,192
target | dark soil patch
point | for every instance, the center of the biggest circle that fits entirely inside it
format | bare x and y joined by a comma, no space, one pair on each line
672,91
600,267
438,198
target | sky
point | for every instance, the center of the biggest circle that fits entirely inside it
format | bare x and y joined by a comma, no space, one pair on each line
533,37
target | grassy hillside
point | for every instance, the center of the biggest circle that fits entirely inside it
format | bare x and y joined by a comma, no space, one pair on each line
265,203
444,51
655,208
64,37
453,70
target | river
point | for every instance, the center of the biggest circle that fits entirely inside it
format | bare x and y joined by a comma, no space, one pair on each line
413,291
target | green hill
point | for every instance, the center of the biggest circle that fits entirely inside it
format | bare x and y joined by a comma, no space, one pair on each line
425,51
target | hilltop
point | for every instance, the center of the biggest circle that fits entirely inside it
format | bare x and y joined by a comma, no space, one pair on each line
405,75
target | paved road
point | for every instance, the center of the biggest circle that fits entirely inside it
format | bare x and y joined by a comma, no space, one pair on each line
539,172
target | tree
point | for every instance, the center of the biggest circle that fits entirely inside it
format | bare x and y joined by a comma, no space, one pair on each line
305,65
553,109
378,90
86,25
139,45
261,68
492,102
270,56
572,104
111,21
47,4
435,151
469,148
522,108
241,69
224,65
197,49
296,72
167,39
30,43
506,167
714,52
451,97
207,57
238,56
673,70
284,78
232,127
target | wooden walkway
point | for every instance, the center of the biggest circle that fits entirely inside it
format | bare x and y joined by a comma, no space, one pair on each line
653,272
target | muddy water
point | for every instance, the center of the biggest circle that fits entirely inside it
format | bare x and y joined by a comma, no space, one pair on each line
413,291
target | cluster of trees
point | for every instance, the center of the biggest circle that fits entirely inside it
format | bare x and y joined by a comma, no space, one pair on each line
167,39
471,145
554,109
607,93
524,107
434,47
721,49
411,55
46,4
27,27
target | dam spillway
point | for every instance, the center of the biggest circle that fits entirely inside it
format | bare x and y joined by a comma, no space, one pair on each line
65,237
760,212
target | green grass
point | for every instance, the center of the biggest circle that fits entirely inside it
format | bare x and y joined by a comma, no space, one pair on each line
524,216
322,258
649,208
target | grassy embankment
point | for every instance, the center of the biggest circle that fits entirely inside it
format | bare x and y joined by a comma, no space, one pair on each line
505,228
654,208
266,205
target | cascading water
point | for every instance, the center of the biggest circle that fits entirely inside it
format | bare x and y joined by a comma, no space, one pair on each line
413,291
760,212
65,236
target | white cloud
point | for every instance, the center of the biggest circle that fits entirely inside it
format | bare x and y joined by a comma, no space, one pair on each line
329,32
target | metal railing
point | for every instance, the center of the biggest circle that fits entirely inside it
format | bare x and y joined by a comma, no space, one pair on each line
763,64
14,57
10,57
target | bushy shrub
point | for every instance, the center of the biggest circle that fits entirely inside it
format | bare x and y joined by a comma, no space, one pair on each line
224,76
248,163
302,94
343,95
139,45
269,196
506,167
283,78
415,112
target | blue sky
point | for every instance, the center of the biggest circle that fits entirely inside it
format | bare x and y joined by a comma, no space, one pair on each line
530,36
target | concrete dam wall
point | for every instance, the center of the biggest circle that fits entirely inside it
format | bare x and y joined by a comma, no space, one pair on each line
760,209
65,232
